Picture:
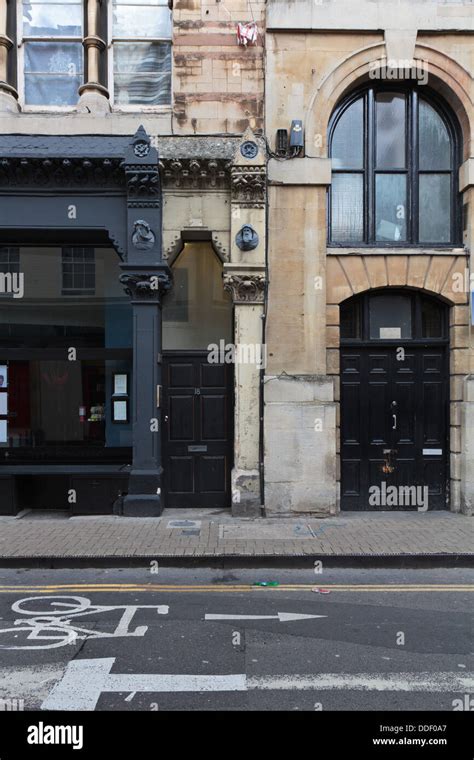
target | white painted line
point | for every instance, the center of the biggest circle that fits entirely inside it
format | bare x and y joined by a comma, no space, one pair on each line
283,617
85,680
432,682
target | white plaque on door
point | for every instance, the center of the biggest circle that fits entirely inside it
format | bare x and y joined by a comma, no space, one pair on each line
391,332
432,452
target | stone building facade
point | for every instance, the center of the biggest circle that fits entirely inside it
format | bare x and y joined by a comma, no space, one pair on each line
131,144
343,226
167,193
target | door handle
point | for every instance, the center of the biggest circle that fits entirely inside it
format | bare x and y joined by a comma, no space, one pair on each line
394,417
166,418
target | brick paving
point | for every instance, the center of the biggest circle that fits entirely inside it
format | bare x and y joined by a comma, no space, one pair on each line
210,534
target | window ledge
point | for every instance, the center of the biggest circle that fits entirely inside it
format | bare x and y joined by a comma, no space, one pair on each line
396,251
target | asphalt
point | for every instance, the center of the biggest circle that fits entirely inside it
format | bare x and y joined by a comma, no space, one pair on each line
380,639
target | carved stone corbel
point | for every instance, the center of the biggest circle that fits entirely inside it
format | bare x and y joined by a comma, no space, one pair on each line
245,288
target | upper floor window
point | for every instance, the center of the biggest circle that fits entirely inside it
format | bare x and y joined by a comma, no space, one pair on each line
78,271
141,51
394,159
52,54
135,65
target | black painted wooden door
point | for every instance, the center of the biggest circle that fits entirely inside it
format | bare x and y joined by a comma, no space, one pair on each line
394,414
197,431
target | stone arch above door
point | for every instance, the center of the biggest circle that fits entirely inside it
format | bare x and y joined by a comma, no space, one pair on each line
434,274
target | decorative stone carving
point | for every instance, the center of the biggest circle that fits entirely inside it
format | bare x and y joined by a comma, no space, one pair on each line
143,236
247,238
193,173
245,288
249,149
249,186
146,286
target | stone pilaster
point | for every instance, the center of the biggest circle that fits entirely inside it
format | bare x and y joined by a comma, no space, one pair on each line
244,278
146,277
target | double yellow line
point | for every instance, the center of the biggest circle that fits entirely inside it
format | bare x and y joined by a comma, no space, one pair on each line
232,588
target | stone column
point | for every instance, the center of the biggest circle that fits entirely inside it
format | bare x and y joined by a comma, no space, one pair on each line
93,95
8,94
144,489
146,277
244,277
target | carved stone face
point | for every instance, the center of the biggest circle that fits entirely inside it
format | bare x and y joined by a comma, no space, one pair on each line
143,237
247,238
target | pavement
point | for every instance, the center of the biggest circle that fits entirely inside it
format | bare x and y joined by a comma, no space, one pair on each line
212,534
198,639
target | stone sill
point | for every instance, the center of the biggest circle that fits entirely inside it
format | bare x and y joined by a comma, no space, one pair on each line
395,251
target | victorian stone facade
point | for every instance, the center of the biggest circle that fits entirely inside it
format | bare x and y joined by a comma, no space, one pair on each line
321,58
233,196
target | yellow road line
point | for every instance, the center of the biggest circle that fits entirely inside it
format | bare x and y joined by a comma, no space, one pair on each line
186,589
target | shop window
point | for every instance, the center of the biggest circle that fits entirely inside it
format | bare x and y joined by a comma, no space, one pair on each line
51,50
395,156
65,356
78,265
141,52
197,312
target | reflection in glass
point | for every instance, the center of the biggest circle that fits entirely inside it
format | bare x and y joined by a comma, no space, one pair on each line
435,208
347,149
141,21
197,311
390,207
53,401
347,208
390,130
434,142
142,73
390,315
64,19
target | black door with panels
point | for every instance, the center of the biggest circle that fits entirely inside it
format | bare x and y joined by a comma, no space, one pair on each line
197,430
394,401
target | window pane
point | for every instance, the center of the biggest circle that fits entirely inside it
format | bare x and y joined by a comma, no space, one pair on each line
390,207
53,73
431,319
347,208
435,145
390,317
52,19
435,208
350,320
141,21
390,131
197,311
142,73
347,150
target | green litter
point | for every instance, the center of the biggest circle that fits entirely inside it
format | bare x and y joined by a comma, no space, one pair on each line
266,583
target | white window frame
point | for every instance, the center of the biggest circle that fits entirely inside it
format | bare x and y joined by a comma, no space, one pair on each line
120,107
21,39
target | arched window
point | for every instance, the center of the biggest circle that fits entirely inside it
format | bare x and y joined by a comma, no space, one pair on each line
395,156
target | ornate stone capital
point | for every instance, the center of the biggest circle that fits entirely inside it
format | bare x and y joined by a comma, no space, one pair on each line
146,286
245,288
249,186
193,173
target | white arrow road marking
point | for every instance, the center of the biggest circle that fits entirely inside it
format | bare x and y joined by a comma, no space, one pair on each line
283,617
85,680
